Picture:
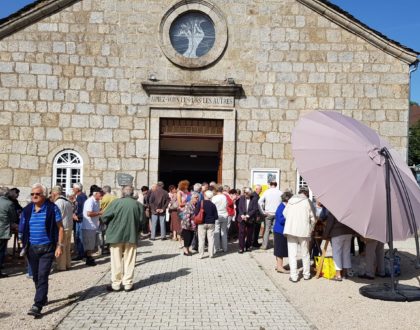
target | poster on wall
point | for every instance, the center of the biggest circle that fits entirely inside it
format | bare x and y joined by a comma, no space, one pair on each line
263,177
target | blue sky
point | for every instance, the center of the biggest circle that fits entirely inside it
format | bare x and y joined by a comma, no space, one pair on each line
398,20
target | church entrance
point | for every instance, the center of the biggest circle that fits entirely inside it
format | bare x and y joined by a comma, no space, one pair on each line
190,149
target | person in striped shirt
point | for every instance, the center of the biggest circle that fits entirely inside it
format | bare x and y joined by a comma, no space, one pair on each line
41,232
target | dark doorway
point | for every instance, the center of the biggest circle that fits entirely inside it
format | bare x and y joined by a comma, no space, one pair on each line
190,149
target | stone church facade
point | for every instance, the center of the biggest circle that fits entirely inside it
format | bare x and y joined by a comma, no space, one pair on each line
90,89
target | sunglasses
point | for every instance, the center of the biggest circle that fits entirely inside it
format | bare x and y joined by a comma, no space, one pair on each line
36,194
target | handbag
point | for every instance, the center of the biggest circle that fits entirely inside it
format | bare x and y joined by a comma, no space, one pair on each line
173,206
328,268
199,218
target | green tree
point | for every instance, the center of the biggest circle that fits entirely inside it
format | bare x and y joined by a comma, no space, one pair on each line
414,144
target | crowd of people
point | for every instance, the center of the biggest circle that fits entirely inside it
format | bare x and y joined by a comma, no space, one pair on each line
103,223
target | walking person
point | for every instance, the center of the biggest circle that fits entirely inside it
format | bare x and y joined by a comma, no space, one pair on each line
300,220
207,227
188,224
158,202
268,203
280,241
8,219
341,237
220,228
123,219
246,214
41,231
66,210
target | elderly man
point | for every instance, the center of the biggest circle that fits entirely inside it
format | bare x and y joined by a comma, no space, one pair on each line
41,231
300,220
247,213
90,225
66,210
107,199
158,202
268,203
123,219
8,219
78,219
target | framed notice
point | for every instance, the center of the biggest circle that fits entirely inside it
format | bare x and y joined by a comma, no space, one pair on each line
263,177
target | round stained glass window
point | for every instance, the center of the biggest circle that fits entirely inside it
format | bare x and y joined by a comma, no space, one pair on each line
192,34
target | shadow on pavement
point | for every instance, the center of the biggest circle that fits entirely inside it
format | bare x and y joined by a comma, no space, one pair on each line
99,261
156,257
159,278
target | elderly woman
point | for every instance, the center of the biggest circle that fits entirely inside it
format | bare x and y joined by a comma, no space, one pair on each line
280,241
340,236
187,223
173,213
207,227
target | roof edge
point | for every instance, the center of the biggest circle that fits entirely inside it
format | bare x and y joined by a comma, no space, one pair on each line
27,16
351,24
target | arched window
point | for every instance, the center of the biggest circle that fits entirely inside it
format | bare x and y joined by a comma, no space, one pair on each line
68,169
302,183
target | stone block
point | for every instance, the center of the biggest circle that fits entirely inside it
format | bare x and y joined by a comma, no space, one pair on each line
8,80
114,164
44,69
393,129
29,162
5,119
95,150
79,121
21,119
253,148
121,135
6,176
142,148
103,135
96,17
96,121
6,67
135,164
85,108
54,134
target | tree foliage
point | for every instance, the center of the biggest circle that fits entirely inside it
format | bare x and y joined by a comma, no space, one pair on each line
414,144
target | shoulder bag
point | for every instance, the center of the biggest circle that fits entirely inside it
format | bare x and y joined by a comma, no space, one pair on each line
199,218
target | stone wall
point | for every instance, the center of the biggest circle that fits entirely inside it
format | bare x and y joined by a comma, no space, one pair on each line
73,80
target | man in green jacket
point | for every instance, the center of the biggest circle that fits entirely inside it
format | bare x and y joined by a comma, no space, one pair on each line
123,218
8,218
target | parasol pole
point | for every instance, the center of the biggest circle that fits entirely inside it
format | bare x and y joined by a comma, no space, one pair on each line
386,154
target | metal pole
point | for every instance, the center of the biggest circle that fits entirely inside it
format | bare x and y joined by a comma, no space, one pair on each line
385,153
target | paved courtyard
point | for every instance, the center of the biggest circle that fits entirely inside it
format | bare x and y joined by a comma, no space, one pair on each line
173,291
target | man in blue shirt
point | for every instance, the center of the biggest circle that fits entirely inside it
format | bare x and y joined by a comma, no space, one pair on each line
41,231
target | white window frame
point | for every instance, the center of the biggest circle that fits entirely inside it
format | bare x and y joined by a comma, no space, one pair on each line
302,183
68,166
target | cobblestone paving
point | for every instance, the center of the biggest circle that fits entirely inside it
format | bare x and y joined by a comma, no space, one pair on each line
173,291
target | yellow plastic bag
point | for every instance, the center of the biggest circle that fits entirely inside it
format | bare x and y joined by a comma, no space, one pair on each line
328,268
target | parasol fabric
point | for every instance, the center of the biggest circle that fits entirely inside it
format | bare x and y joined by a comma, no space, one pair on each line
340,159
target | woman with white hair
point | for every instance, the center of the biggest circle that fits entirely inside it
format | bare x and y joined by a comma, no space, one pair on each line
207,227
187,222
